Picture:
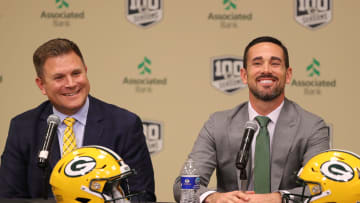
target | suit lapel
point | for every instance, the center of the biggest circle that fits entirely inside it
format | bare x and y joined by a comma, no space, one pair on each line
284,134
55,156
93,128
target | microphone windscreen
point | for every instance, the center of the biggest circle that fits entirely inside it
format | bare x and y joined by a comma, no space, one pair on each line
251,124
53,119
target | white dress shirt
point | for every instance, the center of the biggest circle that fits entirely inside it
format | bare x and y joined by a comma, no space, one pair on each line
78,127
274,115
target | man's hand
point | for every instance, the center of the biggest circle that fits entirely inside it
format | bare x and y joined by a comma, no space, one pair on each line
243,197
274,197
228,197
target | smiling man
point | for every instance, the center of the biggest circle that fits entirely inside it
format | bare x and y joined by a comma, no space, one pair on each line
85,120
287,138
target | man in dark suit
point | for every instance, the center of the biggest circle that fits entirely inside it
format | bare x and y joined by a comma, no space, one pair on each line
293,134
62,77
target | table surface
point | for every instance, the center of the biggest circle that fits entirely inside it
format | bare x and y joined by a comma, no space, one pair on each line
2,200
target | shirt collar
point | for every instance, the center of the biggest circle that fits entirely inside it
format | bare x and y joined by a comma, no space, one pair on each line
274,115
80,116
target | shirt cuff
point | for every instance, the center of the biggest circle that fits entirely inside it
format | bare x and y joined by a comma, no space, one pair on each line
204,195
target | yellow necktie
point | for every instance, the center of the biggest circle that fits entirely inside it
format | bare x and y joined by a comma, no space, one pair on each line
69,141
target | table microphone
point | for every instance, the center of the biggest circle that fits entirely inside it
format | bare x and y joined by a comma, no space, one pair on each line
243,155
53,122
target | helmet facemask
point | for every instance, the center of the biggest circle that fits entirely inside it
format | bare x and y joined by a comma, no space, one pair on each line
113,188
301,198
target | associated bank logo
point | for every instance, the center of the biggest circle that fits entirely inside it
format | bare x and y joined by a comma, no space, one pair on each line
229,4
61,4
145,82
154,136
314,84
231,16
313,69
225,73
144,66
313,13
62,16
144,13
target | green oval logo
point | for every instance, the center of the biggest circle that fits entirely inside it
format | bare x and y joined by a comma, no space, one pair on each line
337,171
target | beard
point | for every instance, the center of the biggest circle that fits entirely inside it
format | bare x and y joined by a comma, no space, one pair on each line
264,96
267,96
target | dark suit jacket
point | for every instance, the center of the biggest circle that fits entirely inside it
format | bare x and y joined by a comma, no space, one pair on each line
106,125
298,136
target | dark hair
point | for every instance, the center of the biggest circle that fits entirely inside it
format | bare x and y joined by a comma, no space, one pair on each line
51,48
266,39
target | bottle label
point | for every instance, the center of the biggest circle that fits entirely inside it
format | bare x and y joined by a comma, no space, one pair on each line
190,182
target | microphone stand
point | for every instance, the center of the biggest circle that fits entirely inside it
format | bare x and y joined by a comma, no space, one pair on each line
46,176
242,166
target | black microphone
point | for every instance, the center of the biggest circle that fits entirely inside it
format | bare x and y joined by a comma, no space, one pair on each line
53,122
243,155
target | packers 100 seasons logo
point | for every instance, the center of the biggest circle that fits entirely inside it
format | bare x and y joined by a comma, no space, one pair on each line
313,13
144,13
153,133
226,73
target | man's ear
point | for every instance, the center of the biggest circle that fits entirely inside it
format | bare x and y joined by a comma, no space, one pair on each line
243,74
40,83
288,75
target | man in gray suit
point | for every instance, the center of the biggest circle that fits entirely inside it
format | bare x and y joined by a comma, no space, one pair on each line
294,135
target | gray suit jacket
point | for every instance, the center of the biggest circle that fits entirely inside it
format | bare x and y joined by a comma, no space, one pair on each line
298,136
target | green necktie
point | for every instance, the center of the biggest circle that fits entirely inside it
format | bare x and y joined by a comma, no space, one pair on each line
262,157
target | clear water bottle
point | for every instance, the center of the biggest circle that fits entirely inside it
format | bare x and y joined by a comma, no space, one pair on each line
190,182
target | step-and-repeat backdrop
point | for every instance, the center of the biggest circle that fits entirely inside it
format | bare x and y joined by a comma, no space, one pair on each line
175,62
